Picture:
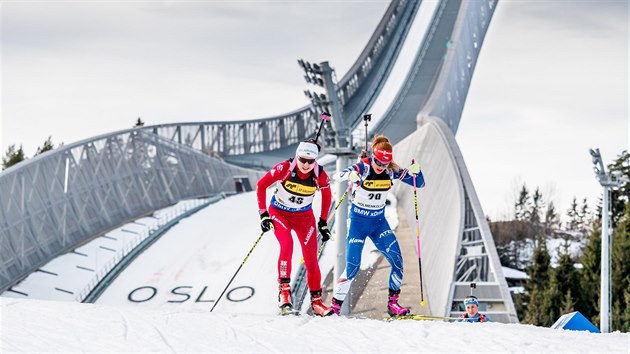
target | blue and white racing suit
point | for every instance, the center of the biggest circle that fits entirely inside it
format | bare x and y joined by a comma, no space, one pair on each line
367,219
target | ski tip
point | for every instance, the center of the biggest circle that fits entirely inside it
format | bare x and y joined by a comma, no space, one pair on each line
289,312
287,309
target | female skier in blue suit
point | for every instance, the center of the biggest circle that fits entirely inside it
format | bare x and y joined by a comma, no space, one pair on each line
472,311
376,175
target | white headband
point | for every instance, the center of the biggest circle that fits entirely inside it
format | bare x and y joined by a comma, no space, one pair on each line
307,150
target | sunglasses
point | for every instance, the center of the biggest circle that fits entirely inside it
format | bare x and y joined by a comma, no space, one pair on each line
378,163
308,161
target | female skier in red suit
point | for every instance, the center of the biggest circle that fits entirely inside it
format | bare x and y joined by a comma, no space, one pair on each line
297,180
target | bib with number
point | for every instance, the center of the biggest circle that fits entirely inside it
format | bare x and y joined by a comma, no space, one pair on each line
295,194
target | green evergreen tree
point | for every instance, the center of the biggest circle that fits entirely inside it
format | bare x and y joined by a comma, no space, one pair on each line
585,217
564,283
620,270
617,315
588,300
534,310
574,215
568,304
541,263
551,219
626,316
521,206
620,196
537,284
48,145
567,276
536,207
551,301
520,305
13,156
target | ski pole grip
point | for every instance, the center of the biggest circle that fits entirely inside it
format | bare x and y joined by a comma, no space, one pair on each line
325,116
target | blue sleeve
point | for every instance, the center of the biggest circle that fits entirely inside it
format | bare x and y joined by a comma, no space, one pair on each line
343,175
407,177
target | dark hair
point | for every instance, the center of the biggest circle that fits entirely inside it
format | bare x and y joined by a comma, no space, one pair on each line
311,140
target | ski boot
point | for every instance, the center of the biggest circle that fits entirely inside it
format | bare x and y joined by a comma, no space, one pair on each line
335,305
393,308
318,306
284,298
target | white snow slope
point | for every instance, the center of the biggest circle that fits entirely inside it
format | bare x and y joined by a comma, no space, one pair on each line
38,326
117,325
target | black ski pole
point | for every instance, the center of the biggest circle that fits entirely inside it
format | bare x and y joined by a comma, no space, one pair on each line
366,118
325,118
330,217
238,270
472,286
415,202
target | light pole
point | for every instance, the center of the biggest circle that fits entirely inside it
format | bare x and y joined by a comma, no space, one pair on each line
313,74
608,181
321,75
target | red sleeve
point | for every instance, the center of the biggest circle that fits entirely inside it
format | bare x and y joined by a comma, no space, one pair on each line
277,173
324,188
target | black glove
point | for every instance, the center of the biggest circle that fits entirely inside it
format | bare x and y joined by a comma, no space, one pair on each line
323,229
265,222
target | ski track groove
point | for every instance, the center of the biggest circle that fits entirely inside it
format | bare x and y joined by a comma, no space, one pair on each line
229,328
159,333
164,340
269,349
244,334
125,324
39,337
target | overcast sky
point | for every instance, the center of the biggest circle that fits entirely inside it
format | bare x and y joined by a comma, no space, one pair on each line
551,82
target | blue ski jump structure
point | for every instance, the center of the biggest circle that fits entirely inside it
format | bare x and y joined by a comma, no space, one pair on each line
68,196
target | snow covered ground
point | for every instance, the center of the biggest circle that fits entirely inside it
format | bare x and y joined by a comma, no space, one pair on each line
194,261
195,256
38,326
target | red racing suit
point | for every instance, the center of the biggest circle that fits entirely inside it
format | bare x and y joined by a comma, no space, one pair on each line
291,209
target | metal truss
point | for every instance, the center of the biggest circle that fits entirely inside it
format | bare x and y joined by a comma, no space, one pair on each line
64,197
472,261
